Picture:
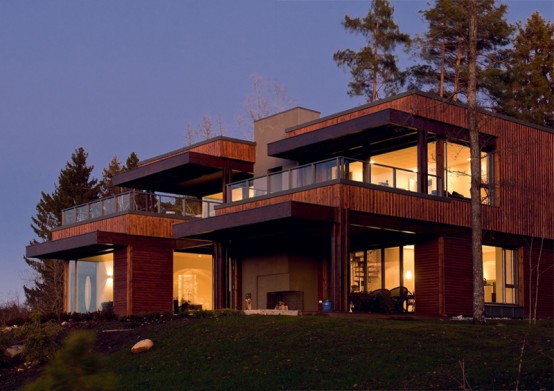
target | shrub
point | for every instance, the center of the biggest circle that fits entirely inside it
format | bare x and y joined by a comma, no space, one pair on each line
375,302
40,339
13,313
75,367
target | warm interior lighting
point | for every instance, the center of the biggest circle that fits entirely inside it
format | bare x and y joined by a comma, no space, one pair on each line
408,274
372,162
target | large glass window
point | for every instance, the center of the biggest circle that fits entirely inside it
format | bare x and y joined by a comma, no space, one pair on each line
90,284
500,275
192,280
382,268
458,172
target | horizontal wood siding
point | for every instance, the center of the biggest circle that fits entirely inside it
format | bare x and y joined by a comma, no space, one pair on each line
458,277
134,224
228,149
427,269
152,278
524,176
120,281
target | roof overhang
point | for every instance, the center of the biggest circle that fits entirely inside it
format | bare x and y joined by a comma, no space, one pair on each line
97,243
191,173
382,130
256,221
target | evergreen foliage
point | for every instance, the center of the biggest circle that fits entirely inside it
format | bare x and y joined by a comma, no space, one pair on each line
75,367
75,187
444,47
115,167
373,69
525,87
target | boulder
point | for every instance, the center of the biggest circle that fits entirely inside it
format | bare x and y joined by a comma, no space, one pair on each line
13,351
142,346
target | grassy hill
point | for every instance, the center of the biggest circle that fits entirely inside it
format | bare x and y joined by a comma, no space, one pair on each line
318,352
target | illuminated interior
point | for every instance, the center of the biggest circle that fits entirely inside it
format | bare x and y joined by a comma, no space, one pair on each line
192,279
90,284
386,268
500,275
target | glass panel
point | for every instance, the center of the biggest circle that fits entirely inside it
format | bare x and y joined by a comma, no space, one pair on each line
409,270
275,182
108,206
259,186
94,287
374,271
238,191
382,176
357,272
82,213
192,280
406,180
326,171
301,176
392,267
124,202
95,210
193,207
70,216
355,171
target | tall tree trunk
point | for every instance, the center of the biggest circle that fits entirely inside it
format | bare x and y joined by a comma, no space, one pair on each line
457,71
376,66
475,153
443,55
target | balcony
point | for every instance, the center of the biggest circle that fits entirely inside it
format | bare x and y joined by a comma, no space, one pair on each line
140,201
332,171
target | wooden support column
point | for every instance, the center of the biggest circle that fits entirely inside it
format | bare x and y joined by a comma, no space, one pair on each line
220,277
227,178
440,166
338,281
422,161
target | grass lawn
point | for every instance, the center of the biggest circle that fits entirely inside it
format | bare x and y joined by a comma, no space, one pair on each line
320,352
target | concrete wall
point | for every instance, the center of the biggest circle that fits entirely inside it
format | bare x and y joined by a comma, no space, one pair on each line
270,129
277,273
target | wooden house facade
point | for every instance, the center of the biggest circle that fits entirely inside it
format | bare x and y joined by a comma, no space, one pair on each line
317,210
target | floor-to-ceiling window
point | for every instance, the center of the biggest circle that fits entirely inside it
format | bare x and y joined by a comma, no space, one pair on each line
192,279
500,275
382,268
89,284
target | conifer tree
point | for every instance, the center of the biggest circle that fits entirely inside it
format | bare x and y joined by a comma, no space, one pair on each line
45,292
114,167
525,88
373,68
444,47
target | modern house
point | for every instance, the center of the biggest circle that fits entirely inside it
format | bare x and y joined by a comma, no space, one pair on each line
372,198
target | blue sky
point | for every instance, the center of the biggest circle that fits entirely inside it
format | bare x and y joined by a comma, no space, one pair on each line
121,76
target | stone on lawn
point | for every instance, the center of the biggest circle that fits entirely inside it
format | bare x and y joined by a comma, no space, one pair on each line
142,346
13,351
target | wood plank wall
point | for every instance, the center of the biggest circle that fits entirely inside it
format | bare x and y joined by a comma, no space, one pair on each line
129,223
152,279
525,155
428,278
458,277
228,149
120,282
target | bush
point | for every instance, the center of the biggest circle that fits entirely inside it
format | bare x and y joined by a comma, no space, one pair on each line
40,339
378,301
13,313
75,367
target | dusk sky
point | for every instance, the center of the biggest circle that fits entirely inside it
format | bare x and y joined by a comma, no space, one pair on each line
121,76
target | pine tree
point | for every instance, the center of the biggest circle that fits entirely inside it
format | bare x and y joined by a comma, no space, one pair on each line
45,292
373,68
106,186
131,162
444,47
525,88
114,167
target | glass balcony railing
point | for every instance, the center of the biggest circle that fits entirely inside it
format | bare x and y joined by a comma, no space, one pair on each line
143,202
328,171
